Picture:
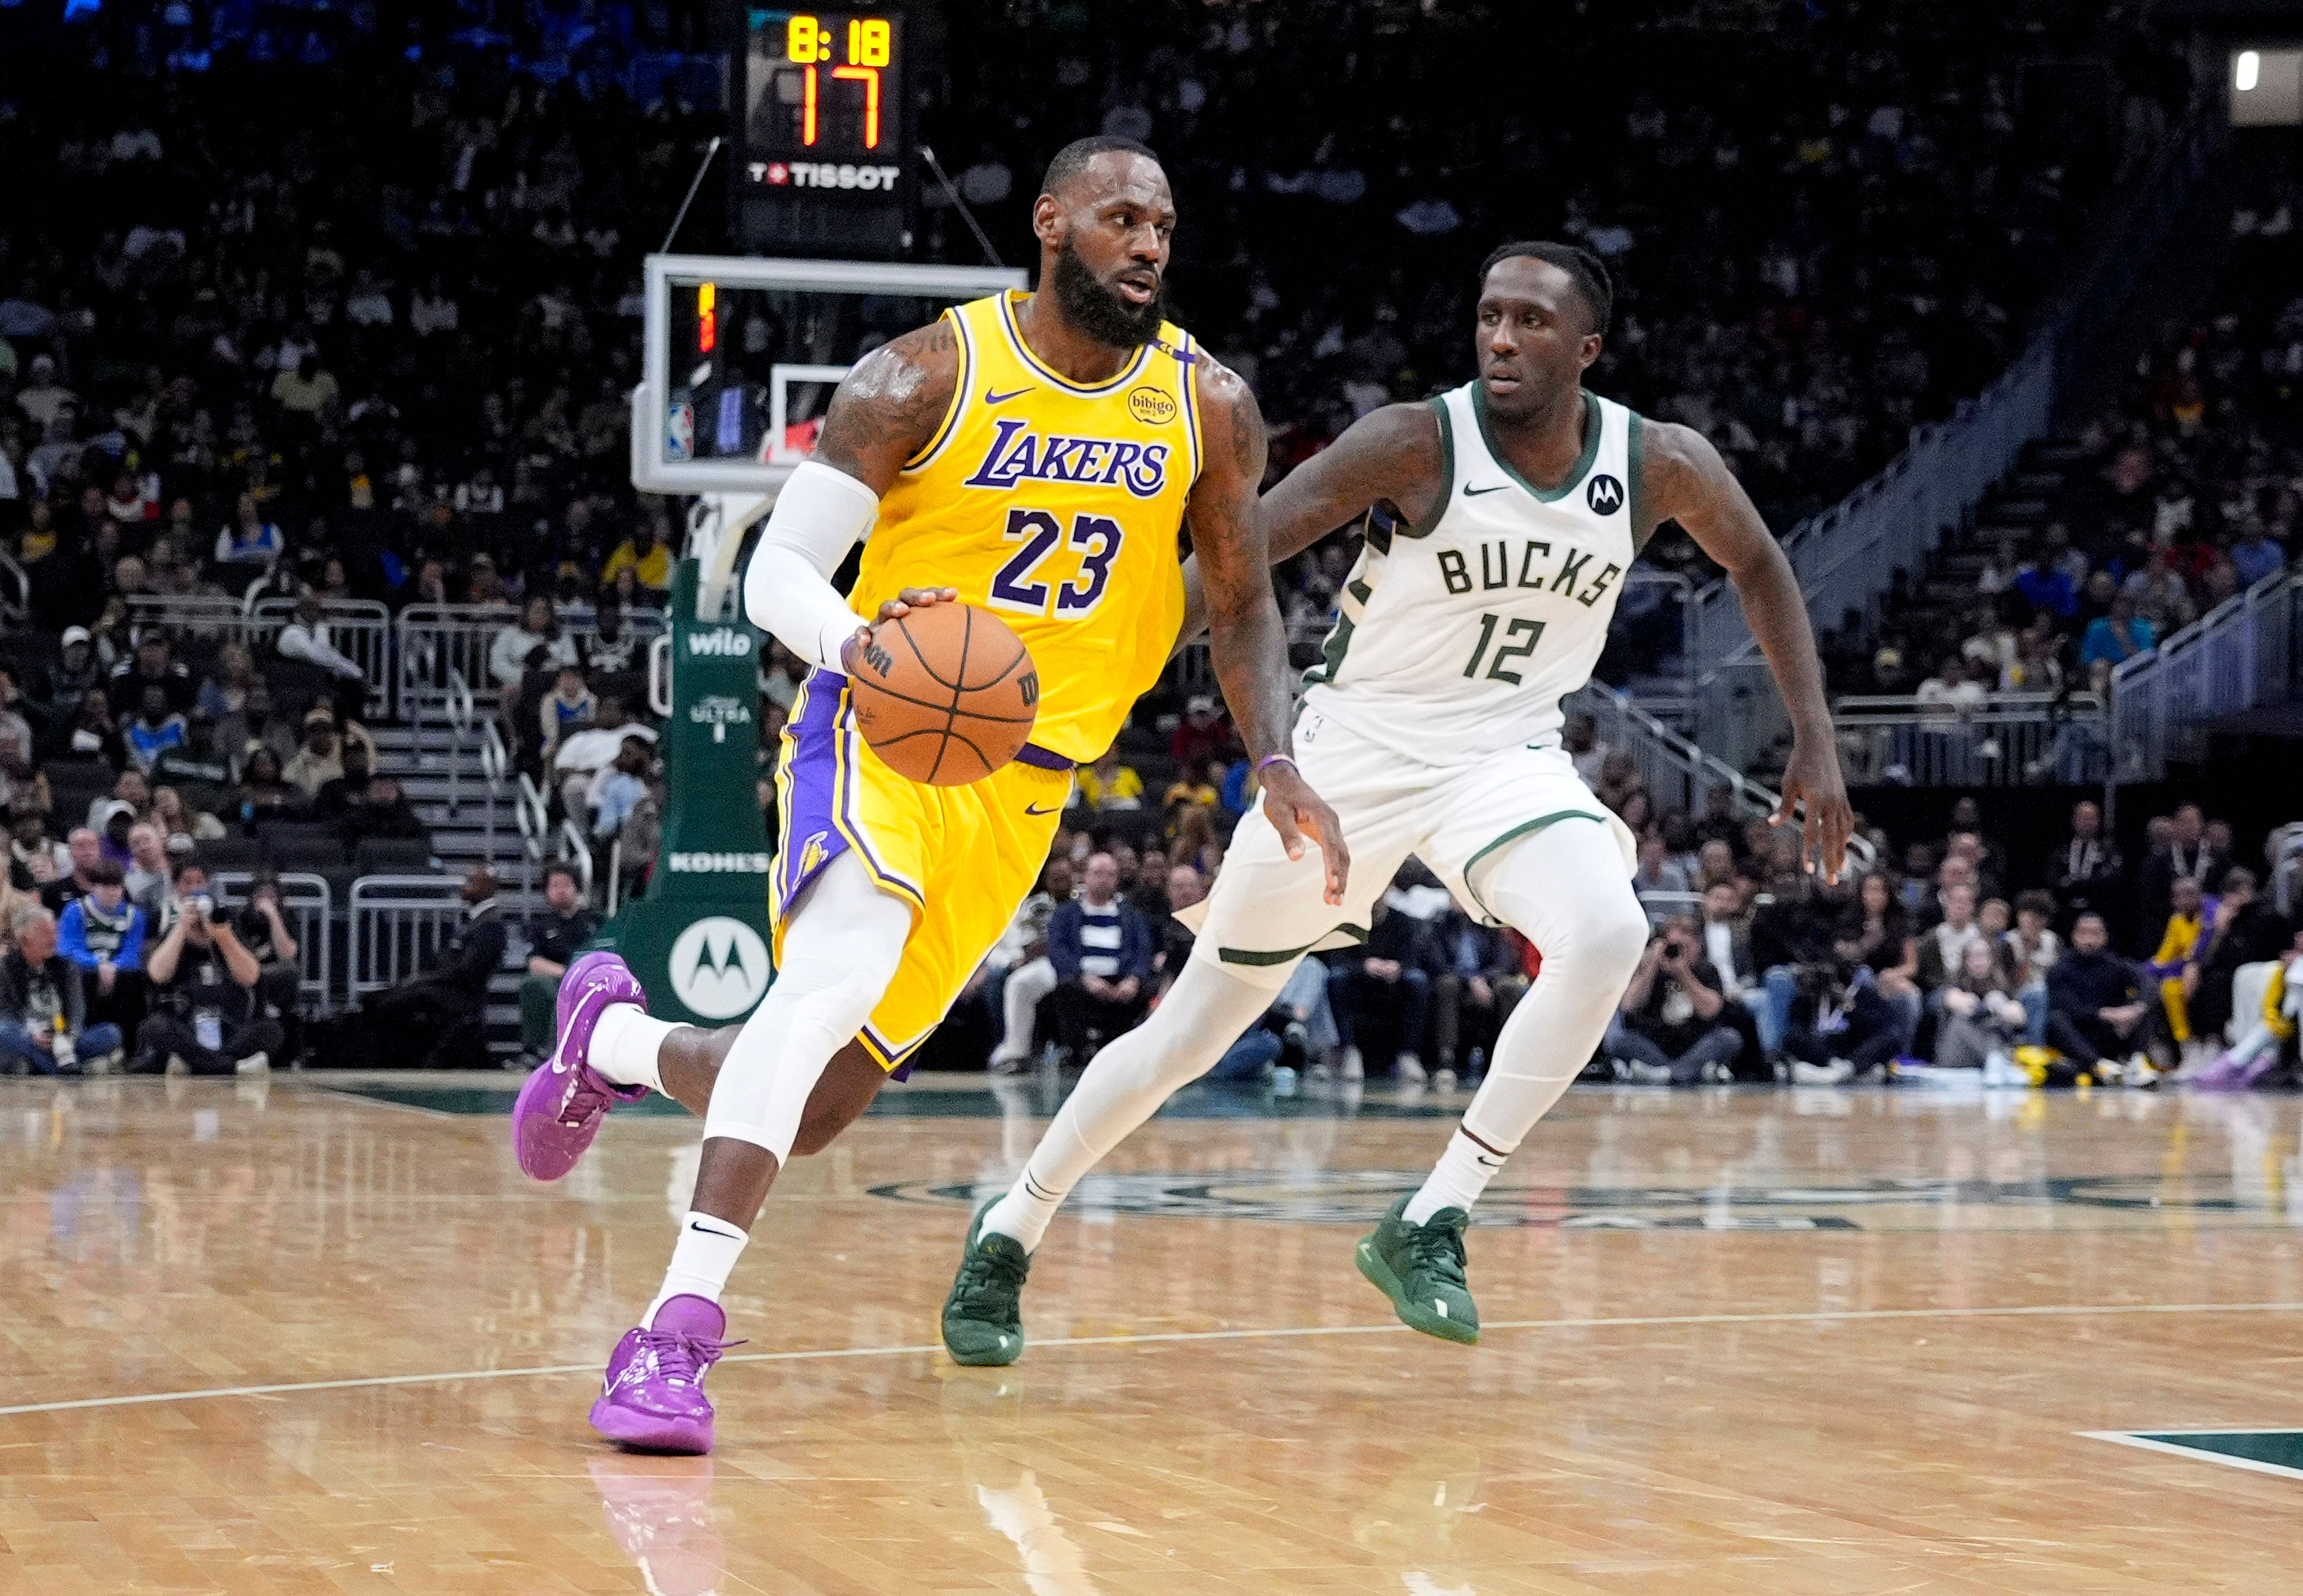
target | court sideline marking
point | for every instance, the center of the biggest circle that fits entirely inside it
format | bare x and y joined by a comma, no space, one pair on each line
1661,1321
2141,1439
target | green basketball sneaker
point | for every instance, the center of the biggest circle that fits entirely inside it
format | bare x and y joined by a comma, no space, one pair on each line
1421,1268
984,1316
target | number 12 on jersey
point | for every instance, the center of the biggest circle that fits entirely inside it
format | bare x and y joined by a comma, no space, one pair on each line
1519,640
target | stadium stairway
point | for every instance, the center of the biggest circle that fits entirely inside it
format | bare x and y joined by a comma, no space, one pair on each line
2018,507
448,788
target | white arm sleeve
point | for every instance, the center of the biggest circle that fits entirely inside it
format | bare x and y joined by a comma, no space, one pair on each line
819,516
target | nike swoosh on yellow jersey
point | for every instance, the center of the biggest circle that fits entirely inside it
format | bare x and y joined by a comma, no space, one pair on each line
992,398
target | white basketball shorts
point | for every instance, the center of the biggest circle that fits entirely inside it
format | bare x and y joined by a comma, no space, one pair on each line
1458,819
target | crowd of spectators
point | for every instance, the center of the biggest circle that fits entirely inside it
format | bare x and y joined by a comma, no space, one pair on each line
350,315
359,307
1934,964
2185,489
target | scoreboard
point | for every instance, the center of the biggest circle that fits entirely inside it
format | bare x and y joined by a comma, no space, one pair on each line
827,164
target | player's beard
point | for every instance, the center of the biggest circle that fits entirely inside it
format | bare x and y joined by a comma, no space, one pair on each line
1097,311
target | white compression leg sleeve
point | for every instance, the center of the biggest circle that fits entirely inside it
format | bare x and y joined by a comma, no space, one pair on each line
840,951
1565,889
1202,1014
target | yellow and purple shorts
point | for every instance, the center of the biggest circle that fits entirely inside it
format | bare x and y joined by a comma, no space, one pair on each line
963,857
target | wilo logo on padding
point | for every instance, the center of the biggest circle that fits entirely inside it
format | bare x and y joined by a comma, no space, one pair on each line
726,642
719,967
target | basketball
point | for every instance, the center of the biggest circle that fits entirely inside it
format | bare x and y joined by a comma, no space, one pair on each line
946,695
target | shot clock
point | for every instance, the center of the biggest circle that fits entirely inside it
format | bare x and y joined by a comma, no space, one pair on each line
827,166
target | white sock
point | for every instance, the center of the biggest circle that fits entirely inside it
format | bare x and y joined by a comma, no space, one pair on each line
1203,1015
626,1045
702,1259
1567,890
1457,1180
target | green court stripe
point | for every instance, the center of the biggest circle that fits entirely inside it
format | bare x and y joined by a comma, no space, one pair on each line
1358,934
1516,833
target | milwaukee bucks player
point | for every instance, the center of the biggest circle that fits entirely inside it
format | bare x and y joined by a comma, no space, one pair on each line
1509,511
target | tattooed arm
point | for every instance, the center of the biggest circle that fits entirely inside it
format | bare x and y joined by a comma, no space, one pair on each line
889,405
1248,642
1388,457
884,410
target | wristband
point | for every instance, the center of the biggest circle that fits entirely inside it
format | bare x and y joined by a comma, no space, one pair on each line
1287,759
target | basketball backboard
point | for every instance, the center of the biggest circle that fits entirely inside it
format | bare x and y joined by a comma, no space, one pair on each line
740,356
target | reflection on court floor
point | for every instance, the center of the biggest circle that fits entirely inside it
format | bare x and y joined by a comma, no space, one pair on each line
322,1335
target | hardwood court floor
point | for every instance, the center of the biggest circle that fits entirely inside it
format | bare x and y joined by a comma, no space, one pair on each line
291,1338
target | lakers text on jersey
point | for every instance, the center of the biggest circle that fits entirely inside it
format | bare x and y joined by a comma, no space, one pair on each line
1060,506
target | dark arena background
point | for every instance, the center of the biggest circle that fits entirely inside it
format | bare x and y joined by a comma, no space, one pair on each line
392,399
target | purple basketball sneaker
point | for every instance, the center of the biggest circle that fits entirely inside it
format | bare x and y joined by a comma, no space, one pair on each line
561,1107
654,1393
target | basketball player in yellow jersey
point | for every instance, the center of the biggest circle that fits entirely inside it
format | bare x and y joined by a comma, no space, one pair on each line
1034,454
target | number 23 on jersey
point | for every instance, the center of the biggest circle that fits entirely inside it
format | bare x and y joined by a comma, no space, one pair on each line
1038,579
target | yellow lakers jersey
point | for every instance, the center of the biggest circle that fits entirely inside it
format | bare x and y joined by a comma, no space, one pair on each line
1060,507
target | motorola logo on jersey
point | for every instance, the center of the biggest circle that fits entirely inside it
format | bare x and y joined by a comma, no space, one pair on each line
718,967
1019,454
1605,494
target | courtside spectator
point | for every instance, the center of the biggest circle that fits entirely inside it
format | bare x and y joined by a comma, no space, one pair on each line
104,934
204,1009
1102,953
44,1027
555,938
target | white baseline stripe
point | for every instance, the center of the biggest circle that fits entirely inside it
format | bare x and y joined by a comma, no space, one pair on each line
2199,1454
1284,1332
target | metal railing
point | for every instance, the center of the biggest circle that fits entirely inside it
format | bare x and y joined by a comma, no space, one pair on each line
496,765
1847,558
359,629
193,615
18,607
398,926
309,910
576,852
1677,773
2238,655
438,642
2010,740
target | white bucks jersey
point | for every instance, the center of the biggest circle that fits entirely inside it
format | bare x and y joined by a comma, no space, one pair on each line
1459,636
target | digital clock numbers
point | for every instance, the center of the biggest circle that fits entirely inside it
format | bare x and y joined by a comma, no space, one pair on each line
814,43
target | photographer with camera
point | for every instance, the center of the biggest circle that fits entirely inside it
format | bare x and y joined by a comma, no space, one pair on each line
1670,1027
262,930
202,985
1842,1026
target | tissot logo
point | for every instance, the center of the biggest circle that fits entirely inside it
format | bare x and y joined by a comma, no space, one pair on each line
719,967
717,864
1605,495
725,642
823,174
